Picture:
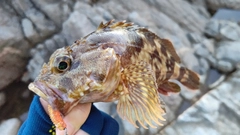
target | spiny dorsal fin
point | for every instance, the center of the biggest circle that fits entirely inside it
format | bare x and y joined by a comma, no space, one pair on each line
113,25
169,46
139,100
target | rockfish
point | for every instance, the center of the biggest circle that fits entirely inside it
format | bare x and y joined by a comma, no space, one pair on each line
119,61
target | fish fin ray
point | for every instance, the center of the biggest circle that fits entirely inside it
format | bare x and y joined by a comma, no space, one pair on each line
139,96
167,87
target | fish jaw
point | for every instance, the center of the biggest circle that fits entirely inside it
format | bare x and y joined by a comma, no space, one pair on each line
57,99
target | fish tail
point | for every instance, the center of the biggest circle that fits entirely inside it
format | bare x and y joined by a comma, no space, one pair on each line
187,77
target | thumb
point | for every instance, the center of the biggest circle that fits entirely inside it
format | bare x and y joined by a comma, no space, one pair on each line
75,119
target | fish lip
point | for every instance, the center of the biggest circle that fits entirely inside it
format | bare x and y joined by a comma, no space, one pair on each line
45,90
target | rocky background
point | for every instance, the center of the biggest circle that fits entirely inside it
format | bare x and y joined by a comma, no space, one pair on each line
205,33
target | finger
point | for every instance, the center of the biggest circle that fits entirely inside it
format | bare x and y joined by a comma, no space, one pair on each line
75,119
44,104
81,132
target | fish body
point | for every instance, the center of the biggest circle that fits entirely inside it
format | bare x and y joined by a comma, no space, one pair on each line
119,61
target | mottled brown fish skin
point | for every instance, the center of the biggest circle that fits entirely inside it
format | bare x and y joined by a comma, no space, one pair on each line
118,61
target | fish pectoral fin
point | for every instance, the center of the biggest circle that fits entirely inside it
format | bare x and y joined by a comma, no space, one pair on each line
139,99
167,87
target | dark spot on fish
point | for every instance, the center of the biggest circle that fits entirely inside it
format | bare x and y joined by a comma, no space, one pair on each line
97,77
181,73
170,63
75,65
163,51
67,83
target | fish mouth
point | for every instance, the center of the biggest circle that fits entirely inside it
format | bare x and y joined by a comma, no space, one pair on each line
47,91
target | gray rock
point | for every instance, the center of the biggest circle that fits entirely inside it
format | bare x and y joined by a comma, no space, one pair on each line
173,102
2,98
191,95
105,107
49,8
209,44
177,10
228,51
137,19
213,76
230,31
10,30
189,59
29,31
12,63
212,60
225,66
43,25
60,40
227,14
222,29
204,66
116,9
10,126
212,113
201,51
216,4
212,29
77,26
194,38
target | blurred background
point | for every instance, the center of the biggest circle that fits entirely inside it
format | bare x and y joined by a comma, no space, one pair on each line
205,33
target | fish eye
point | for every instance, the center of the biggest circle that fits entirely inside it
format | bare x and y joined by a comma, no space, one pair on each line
61,64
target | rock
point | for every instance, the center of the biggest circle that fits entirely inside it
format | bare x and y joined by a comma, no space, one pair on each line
10,126
209,44
225,66
223,30
12,66
116,9
191,95
29,31
227,14
42,24
228,51
216,4
212,29
194,38
212,113
105,107
189,59
49,8
212,76
204,66
201,51
230,31
10,30
77,26
212,60
2,99
173,102
177,10
137,19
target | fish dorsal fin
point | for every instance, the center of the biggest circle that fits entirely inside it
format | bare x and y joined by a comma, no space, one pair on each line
139,99
113,25
167,87
169,46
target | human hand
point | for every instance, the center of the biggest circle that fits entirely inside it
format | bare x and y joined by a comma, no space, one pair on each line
72,119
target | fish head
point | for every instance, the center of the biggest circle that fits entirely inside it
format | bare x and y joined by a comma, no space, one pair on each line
71,77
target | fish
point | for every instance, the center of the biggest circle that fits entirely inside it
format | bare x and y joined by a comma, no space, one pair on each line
119,61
